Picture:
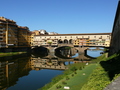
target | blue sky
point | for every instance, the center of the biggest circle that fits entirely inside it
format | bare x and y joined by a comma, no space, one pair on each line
62,16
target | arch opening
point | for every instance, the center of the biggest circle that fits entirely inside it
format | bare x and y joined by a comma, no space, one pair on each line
65,41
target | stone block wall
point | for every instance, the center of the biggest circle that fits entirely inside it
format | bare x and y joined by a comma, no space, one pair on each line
115,38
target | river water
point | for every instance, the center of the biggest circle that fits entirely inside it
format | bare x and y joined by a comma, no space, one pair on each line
30,72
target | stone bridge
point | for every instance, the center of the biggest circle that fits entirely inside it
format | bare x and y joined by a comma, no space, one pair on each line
61,45
80,49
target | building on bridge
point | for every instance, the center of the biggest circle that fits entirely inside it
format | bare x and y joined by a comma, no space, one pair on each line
87,39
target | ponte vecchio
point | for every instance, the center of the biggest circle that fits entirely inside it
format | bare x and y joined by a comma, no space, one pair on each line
86,39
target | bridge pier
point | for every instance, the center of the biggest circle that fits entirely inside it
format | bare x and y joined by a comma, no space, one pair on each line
51,49
81,50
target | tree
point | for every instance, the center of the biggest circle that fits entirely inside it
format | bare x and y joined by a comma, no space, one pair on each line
49,43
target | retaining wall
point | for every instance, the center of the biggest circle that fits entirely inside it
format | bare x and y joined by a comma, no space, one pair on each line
115,38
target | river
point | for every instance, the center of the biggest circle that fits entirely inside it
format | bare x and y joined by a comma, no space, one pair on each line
30,72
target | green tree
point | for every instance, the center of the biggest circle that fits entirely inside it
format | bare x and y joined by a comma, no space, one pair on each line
49,43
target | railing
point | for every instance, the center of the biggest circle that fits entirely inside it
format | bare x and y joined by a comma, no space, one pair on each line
1,32
1,36
3,46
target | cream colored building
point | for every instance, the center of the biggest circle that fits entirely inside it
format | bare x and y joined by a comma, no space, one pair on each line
88,39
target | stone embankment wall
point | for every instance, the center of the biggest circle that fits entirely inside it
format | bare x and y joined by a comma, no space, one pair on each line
115,46
115,38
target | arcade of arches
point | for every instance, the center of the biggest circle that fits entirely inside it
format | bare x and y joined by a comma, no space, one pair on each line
65,41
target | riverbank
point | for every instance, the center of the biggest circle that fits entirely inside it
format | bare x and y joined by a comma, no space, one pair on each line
95,76
10,53
77,81
107,71
74,69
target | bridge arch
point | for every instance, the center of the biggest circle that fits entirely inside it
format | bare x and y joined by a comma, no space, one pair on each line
40,51
66,41
70,41
60,41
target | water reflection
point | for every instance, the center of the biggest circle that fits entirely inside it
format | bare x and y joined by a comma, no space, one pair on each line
30,72
94,53
12,68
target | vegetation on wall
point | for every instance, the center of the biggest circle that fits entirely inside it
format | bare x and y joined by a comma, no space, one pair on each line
104,74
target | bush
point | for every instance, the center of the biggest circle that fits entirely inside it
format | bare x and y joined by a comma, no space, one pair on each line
72,75
73,68
75,72
80,68
63,82
67,78
58,86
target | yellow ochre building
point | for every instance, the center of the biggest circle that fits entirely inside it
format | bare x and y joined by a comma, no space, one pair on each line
12,35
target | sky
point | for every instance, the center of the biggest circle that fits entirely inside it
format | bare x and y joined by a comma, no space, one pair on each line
62,16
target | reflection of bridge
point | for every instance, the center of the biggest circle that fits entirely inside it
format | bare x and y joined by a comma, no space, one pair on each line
53,62
46,63
79,57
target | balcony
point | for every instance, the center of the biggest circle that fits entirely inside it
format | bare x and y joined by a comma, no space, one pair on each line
1,25
1,39
1,32
2,46
1,36
1,29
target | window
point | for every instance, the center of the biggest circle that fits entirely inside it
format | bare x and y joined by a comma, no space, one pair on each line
1,39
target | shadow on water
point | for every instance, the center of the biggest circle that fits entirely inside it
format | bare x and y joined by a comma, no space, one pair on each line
40,52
